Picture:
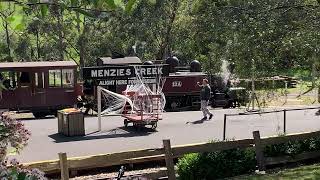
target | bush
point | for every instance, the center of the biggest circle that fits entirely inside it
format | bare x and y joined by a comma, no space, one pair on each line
13,135
235,162
215,165
292,148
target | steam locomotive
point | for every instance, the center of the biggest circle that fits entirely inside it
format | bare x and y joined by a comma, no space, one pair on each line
180,87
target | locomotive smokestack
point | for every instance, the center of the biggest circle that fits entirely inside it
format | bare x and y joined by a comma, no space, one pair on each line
195,66
173,63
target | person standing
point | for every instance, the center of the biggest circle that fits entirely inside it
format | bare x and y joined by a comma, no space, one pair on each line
2,87
205,94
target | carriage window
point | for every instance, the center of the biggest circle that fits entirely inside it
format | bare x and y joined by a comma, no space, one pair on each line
39,79
67,78
24,77
9,79
55,78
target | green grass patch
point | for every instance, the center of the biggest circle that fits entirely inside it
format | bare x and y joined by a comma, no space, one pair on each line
301,173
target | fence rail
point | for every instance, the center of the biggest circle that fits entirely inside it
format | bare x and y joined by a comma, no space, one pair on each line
266,112
168,153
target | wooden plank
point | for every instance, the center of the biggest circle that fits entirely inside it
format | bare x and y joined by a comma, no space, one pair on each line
102,160
211,147
169,159
288,159
64,166
291,137
105,160
60,121
259,151
144,159
45,166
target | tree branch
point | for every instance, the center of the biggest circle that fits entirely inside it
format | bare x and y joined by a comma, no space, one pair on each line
55,4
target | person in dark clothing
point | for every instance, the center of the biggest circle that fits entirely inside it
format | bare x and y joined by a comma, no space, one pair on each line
205,94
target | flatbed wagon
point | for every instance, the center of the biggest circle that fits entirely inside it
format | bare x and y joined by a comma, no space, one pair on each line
139,116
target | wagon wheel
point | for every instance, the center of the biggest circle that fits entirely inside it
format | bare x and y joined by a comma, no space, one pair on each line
125,122
138,126
154,125
135,125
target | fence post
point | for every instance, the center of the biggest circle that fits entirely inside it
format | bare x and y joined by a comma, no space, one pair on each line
169,159
224,126
64,166
259,151
284,121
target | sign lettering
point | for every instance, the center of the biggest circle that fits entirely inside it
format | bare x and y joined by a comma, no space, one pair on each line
124,72
125,82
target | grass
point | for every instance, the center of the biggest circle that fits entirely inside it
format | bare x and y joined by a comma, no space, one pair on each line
300,173
296,96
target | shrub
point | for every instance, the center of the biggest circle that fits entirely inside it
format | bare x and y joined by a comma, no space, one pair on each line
293,148
14,135
216,164
235,162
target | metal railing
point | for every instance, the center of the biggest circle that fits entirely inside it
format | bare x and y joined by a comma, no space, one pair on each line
267,112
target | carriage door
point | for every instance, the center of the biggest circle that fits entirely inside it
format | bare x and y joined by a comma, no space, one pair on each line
39,89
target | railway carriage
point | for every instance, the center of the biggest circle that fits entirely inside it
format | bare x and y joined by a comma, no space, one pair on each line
40,87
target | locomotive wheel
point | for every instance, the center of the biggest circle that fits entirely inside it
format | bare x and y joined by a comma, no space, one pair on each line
137,126
125,122
39,115
213,104
154,126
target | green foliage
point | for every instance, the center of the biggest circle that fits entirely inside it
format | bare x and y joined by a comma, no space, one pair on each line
44,9
262,38
293,148
130,5
235,162
217,164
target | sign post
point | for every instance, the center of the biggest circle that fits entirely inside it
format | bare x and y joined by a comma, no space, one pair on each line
99,107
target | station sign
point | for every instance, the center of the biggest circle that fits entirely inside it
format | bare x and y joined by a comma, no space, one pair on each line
114,82
124,72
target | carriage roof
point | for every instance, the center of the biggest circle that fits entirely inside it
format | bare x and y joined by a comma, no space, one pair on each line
37,64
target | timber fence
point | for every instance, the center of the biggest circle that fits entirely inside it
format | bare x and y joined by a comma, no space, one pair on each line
70,165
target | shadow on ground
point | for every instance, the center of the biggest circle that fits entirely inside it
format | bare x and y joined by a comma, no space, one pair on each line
113,133
197,122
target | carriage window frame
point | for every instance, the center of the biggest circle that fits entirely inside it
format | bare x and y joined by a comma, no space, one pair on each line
39,79
55,81
67,75
13,79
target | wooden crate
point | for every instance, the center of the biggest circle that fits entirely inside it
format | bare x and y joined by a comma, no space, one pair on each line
71,124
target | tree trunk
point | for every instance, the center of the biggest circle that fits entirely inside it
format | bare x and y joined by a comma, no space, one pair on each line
38,45
82,45
313,75
60,34
8,39
165,50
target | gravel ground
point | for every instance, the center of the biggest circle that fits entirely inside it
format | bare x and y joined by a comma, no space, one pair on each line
136,174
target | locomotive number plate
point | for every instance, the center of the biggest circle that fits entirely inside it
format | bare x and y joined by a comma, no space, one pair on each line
176,84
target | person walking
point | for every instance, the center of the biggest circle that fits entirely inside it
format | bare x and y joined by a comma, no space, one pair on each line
205,94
